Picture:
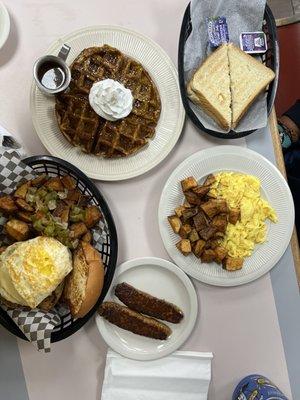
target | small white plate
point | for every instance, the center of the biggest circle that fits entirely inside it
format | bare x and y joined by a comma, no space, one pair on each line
4,24
164,74
162,279
273,188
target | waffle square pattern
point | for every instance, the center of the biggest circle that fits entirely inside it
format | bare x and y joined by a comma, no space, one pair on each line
84,128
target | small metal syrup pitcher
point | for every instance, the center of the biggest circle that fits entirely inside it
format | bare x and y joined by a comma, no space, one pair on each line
52,74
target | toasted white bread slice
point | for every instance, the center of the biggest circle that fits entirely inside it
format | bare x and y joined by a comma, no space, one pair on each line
210,87
248,77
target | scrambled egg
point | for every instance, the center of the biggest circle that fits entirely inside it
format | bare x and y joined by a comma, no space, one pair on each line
243,191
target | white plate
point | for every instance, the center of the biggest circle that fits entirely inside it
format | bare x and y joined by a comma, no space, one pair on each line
274,189
163,73
4,24
162,279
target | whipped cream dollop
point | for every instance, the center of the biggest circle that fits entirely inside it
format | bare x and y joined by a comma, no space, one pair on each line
110,99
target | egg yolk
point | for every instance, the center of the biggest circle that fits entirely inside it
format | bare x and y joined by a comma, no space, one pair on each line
40,260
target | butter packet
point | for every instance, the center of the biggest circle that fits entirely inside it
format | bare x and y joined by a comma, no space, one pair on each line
253,42
217,31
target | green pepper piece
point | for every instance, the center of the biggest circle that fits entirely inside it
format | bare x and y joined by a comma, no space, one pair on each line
49,230
38,225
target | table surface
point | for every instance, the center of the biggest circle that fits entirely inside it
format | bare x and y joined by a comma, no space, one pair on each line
249,329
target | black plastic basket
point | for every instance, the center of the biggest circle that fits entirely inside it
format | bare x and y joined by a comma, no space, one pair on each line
109,249
270,59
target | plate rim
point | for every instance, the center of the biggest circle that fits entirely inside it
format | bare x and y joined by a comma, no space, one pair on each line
228,148
192,317
180,116
6,25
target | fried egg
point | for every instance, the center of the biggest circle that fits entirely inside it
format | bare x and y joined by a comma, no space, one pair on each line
243,191
30,271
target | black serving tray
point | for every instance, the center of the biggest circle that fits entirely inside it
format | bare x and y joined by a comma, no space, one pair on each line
54,166
270,59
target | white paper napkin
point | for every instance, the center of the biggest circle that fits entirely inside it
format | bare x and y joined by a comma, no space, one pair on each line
183,375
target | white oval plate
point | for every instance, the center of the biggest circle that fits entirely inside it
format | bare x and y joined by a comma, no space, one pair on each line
4,24
273,188
163,73
162,279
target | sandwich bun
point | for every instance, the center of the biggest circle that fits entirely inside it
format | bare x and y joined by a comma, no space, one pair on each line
84,284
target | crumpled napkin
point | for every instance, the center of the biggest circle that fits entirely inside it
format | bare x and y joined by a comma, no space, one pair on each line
9,144
241,16
183,375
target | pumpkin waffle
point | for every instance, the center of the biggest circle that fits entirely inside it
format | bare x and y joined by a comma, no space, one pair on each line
79,123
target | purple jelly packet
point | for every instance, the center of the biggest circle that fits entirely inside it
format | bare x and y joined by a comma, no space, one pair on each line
253,42
217,30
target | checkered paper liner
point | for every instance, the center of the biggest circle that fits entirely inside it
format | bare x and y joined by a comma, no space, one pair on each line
36,325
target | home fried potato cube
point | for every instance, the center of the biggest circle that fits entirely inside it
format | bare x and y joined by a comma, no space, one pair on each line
209,180
186,204
207,232
188,213
198,247
212,243
192,198
211,208
220,222
23,205
188,183
220,254
22,190
200,220
232,263
185,230
54,184
207,256
68,182
184,246
62,211
39,180
223,206
218,235
193,235
214,206
87,237
92,216
24,216
83,200
234,215
7,205
17,230
73,196
175,223
78,229
201,190
178,210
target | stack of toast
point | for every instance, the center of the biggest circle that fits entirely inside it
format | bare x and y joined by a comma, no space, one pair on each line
227,83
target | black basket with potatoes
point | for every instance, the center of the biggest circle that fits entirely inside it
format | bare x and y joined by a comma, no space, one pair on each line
270,59
61,205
